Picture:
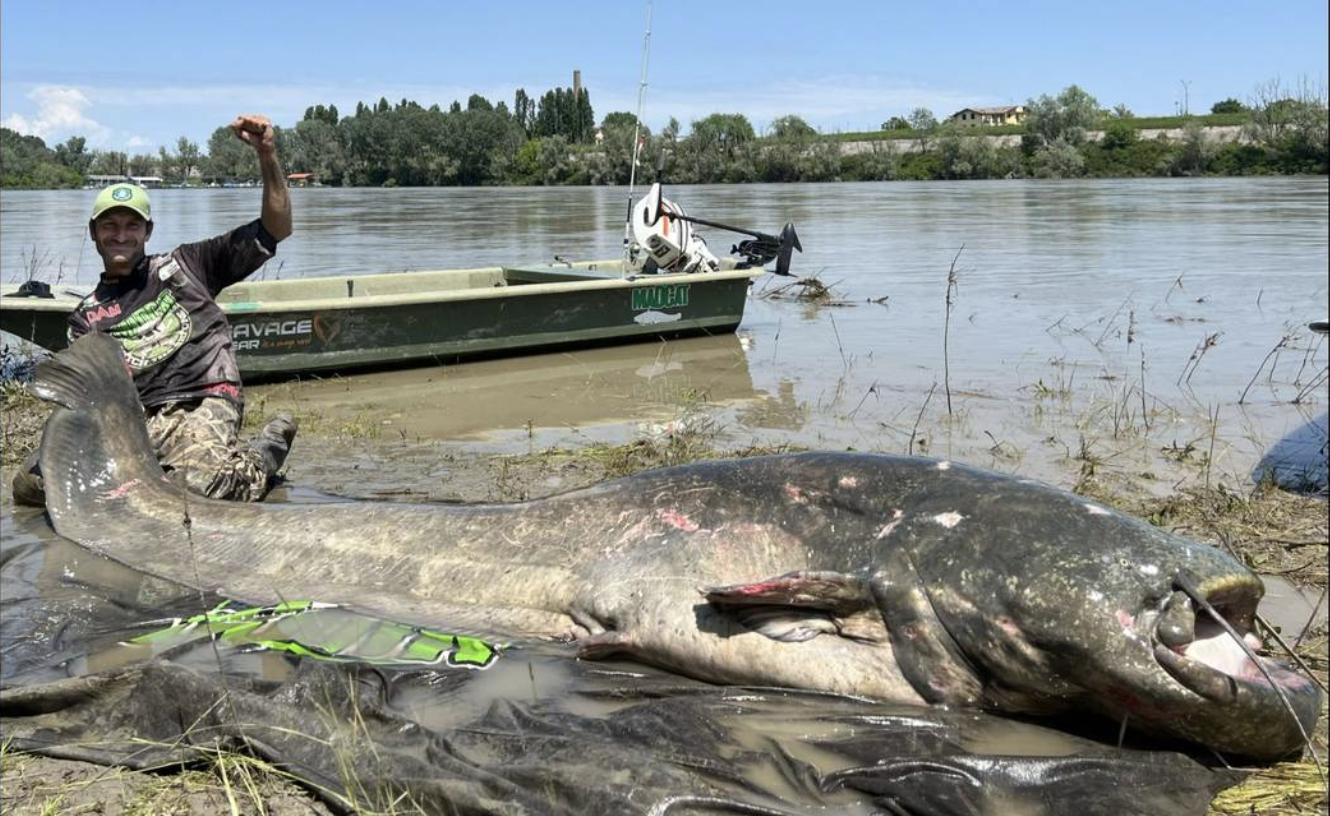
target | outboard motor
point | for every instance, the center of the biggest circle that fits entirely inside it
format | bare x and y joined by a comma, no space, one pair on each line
663,240
662,230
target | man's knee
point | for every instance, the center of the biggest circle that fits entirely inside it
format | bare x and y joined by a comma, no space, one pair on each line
206,454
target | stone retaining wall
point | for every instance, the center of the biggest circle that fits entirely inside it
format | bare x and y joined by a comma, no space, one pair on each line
1217,135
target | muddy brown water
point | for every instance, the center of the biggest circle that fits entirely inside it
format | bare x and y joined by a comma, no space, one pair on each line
1113,324
1092,319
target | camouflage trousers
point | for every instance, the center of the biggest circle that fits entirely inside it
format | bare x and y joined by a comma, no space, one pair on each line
198,443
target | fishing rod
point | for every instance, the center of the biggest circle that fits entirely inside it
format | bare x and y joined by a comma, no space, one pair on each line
637,143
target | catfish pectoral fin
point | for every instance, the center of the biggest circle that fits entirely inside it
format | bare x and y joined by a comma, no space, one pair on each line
831,591
605,644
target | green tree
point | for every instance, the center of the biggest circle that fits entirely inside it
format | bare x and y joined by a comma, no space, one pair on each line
166,164
921,119
187,153
109,163
585,117
553,114
229,159
792,127
555,160
1065,117
1229,105
878,163
560,113
620,120
524,110
896,123
72,154
1121,111
318,150
1119,134
526,167
1194,154
329,114
1057,160
718,150
29,163
972,157
142,164
1291,124
722,131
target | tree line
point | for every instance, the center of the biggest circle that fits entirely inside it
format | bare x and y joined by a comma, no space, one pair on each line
555,140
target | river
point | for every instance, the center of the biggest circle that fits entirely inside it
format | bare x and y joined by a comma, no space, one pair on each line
1151,332
1092,320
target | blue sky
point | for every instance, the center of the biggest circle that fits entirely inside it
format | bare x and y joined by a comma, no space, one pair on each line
135,75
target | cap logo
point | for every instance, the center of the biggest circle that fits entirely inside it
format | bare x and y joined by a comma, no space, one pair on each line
122,194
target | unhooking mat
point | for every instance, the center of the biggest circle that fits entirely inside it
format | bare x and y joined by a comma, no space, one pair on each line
531,732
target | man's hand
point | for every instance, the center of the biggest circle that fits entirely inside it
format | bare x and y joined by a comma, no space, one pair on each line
255,131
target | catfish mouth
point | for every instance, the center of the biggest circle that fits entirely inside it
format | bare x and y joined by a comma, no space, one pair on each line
1197,647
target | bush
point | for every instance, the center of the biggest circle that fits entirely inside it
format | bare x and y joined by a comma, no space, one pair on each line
1058,159
1236,159
1139,158
1119,134
1066,117
870,165
1194,153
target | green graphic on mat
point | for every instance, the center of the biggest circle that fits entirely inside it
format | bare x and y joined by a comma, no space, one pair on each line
325,632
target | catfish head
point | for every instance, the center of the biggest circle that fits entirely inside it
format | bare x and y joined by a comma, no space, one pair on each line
1032,599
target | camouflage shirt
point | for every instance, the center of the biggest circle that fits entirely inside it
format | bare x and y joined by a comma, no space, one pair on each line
175,337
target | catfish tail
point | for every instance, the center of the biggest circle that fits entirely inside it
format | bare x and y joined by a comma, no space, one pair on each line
95,449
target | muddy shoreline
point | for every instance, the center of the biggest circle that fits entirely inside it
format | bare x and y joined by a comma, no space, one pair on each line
1275,532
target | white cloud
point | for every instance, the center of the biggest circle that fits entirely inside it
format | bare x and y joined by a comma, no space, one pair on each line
60,113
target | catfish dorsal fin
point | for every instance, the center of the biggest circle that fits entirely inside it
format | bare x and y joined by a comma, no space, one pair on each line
833,592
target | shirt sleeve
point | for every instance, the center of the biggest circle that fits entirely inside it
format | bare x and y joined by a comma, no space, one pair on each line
229,257
77,325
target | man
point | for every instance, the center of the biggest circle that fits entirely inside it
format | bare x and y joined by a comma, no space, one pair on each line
175,338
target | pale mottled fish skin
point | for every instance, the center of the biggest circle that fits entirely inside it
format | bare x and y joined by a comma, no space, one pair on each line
894,577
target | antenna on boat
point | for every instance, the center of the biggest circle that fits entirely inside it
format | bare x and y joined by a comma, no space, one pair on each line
637,144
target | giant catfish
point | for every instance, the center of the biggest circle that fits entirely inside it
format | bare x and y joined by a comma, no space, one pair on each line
906,579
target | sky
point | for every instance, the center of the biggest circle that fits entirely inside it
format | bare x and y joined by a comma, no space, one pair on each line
135,75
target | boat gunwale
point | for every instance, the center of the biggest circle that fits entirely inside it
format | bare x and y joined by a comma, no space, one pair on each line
250,307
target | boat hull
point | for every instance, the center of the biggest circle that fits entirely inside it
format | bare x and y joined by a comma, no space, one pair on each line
342,323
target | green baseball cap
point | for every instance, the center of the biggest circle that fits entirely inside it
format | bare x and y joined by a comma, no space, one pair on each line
129,196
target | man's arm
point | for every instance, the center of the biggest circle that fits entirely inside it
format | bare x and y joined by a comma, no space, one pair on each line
256,131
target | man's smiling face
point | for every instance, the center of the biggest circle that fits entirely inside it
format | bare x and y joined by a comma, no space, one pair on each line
120,236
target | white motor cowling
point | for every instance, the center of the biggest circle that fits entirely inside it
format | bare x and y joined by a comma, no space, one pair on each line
666,243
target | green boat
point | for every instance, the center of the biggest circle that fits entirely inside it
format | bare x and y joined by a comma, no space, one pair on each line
341,323
668,285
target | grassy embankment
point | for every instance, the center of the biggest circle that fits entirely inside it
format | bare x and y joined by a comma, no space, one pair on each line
1139,123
